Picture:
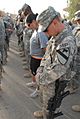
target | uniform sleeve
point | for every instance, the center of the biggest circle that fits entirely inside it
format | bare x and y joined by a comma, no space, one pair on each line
63,57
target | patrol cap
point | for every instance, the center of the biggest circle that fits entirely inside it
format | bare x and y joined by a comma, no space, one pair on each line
25,6
77,16
77,12
26,9
19,12
46,17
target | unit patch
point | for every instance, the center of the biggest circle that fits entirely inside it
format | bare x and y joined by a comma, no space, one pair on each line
63,55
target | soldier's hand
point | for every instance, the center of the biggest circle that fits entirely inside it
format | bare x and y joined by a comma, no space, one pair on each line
40,69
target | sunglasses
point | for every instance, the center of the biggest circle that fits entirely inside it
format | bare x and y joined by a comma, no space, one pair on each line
28,24
46,30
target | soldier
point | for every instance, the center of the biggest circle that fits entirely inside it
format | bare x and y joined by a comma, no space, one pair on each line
8,22
2,42
19,30
24,35
27,33
76,32
56,64
26,9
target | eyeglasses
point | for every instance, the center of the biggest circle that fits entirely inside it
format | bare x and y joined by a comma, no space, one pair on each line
45,30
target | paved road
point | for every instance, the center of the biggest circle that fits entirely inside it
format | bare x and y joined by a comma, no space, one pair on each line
15,102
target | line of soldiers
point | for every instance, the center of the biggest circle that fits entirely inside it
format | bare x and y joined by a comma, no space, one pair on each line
58,73
6,29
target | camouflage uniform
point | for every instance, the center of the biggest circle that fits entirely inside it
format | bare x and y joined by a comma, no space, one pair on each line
75,82
26,39
76,33
20,35
23,12
19,30
8,23
2,42
57,59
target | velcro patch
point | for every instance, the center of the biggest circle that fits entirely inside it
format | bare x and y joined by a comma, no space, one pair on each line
63,55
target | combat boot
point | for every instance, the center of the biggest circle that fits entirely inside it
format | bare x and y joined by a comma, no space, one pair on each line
20,50
22,54
27,75
76,108
24,63
38,114
25,68
72,91
24,59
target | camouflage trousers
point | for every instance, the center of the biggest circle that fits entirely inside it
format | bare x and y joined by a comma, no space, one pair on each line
75,82
21,46
46,91
27,55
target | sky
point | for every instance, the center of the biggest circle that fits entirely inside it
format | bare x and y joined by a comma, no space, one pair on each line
12,6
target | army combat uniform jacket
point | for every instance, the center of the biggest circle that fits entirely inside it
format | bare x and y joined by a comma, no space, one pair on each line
76,33
58,58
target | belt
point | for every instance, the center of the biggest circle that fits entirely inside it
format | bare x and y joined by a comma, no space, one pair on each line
37,57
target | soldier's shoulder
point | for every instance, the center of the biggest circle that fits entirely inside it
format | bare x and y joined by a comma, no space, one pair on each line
75,30
68,39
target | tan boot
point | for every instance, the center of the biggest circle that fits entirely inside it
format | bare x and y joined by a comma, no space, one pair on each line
24,63
72,91
24,59
27,75
76,108
22,55
20,50
38,114
25,68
